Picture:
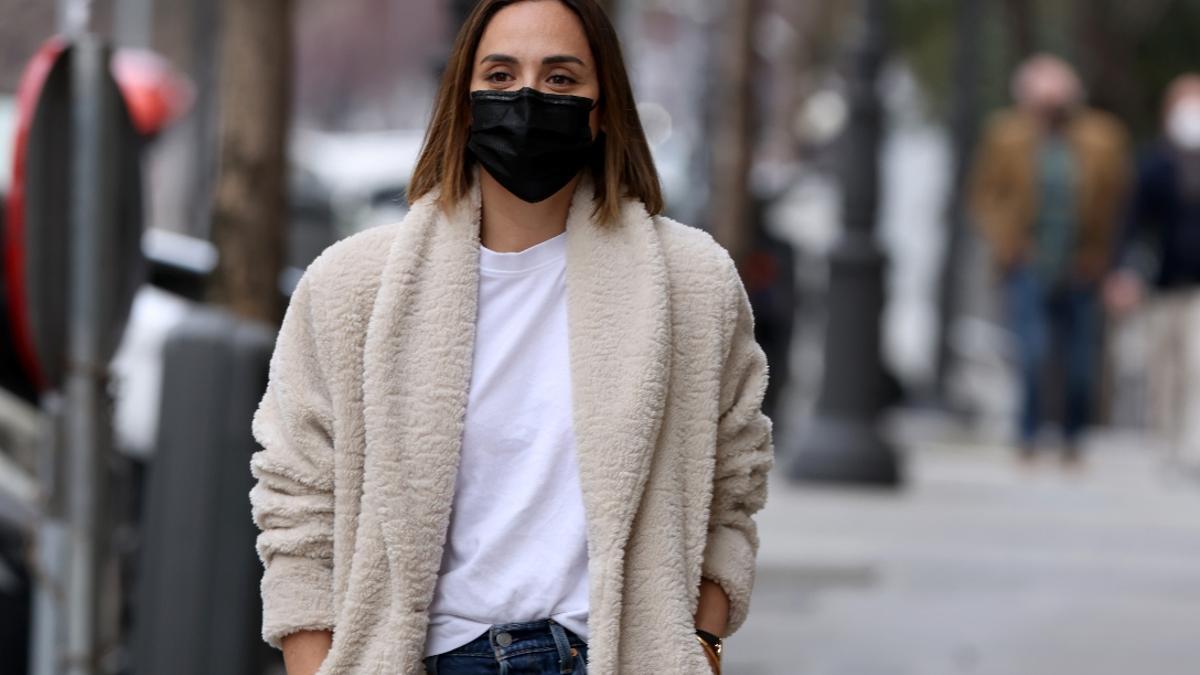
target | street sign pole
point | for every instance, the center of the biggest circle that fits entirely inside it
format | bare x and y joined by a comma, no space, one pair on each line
73,16
88,425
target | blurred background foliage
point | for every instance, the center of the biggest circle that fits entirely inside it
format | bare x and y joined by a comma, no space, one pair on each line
1127,52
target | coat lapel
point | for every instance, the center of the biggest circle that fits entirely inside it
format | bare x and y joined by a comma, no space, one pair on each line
418,360
619,325
417,370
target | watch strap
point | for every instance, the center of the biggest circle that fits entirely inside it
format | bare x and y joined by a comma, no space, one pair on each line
710,639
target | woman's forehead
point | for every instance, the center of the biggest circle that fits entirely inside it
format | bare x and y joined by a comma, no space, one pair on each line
533,31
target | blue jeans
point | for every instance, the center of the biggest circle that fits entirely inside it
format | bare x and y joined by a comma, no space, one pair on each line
542,647
1042,316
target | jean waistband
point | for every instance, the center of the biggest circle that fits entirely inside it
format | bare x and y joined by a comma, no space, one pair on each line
506,639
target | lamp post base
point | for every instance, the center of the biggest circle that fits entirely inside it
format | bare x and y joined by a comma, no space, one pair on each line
844,450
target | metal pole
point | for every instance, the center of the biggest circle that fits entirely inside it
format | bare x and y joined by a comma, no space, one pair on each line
73,16
66,564
843,443
133,24
87,425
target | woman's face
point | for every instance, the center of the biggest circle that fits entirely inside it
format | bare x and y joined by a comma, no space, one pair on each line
538,44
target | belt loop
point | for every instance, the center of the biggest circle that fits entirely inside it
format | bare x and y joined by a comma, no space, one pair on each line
566,662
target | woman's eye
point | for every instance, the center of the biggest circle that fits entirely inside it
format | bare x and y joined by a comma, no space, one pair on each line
561,80
498,76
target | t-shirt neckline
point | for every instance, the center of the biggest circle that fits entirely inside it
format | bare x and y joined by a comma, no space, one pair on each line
544,253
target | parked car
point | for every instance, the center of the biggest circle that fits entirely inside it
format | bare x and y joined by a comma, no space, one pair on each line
365,174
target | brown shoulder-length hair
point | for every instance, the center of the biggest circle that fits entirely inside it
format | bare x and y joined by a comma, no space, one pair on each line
622,167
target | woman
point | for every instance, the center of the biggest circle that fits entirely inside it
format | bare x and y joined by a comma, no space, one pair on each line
519,432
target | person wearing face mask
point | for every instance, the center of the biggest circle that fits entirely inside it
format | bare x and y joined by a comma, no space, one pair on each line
1046,190
1164,212
520,431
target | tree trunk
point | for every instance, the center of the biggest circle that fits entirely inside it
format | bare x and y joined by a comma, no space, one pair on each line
964,131
250,209
1022,41
733,133
459,10
1107,45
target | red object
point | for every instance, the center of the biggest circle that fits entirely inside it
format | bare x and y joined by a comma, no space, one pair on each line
761,271
155,93
28,92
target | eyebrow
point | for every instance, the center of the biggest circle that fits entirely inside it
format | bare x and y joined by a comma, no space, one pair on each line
549,60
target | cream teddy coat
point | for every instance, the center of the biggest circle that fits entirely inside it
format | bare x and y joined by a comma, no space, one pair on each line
361,423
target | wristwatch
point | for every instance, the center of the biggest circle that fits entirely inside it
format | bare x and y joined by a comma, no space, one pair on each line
711,640
712,649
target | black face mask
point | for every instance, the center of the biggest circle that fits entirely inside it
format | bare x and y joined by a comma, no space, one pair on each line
531,142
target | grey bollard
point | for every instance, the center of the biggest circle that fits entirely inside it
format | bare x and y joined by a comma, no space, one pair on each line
197,609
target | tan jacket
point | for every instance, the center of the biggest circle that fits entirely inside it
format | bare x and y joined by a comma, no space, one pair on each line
1004,190
362,419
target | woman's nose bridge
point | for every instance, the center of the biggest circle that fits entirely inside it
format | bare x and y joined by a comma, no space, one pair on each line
530,75
529,78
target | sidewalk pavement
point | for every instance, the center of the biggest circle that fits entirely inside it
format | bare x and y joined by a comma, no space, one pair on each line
981,567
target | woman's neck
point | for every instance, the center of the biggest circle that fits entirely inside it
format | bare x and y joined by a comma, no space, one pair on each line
510,224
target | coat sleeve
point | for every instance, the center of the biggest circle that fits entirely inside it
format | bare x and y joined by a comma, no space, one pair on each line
744,456
990,193
292,499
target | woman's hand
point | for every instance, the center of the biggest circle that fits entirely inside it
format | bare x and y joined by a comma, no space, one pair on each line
712,613
305,651
712,616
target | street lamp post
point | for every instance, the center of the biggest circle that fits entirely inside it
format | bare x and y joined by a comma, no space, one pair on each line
843,443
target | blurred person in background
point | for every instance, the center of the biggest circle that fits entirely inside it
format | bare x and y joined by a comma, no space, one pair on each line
520,431
1165,212
770,276
1046,190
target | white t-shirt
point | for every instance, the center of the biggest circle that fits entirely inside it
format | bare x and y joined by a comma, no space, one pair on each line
517,545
